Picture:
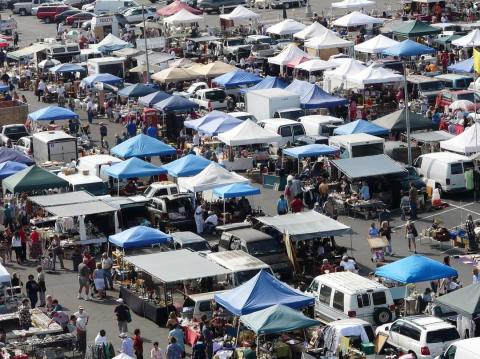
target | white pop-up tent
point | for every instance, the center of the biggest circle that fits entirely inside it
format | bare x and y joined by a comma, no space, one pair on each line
240,14
372,75
316,65
469,40
335,78
182,17
286,27
327,41
376,45
467,143
111,43
314,30
248,133
352,4
356,18
211,177
290,53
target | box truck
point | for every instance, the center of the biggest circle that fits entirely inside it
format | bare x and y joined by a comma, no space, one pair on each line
54,146
358,145
107,65
273,103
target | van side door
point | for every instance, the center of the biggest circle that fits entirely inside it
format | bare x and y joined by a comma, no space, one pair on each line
364,308
322,301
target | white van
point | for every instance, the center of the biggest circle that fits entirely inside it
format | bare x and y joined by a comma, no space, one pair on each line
320,125
288,129
344,295
358,145
198,305
462,349
446,169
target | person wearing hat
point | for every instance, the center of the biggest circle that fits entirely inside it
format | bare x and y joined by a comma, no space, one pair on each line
348,264
211,222
123,317
103,132
127,345
326,267
81,325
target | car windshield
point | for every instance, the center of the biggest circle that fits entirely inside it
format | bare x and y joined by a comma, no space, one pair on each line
442,335
261,47
246,275
466,96
215,95
14,130
292,115
431,86
235,42
264,248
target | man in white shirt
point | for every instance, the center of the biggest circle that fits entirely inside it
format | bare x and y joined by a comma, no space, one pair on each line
81,324
196,139
107,264
41,89
211,222
61,94
348,265
101,338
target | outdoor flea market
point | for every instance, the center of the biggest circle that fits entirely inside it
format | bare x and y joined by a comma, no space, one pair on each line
285,179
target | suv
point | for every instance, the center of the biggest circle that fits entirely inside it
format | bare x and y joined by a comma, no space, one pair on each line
425,335
235,47
423,86
173,211
210,99
189,240
48,13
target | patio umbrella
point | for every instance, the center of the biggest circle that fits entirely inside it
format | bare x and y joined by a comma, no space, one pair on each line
45,64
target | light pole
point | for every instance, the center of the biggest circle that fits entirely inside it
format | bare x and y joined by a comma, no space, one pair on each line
146,43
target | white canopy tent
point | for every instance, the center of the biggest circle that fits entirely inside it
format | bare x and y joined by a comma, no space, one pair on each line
352,4
471,39
468,142
316,65
376,45
327,41
314,30
211,177
111,41
182,17
240,14
335,78
290,53
356,18
248,133
372,75
286,27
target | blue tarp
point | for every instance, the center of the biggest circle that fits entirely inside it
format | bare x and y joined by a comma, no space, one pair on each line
4,88
268,82
408,48
103,78
142,146
361,126
175,103
153,98
53,113
465,66
277,319
414,269
9,154
9,168
214,115
260,292
313,150
66,68
312,96
134,167
137,90
190,165
219,125
137,237
235,190
237,78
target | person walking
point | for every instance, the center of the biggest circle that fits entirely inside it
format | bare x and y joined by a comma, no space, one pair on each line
84,274
127,344
42,287
57,251
41,89
199,221
17,246
81,326
411,234
199,350
24,315
156,352
107,264
103,133
173,349
373,232
31,288
282,205
472,237
413,199
386,231
99,280
177,333
123,316
90,108
207,334
137,344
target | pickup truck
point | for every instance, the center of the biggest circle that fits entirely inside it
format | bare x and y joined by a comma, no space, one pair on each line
24,7
210,99
235,47
192,89
172,211
10,134
162,188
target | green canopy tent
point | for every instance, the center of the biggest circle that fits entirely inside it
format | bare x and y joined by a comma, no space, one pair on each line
415,28
32,179
445,40
396,122
464,301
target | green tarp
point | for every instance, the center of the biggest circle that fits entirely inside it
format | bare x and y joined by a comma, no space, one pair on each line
396,121
464,301
32,179
444,40
415,28
277,319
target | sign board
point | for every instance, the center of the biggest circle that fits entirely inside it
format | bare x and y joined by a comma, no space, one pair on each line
9,24
152,43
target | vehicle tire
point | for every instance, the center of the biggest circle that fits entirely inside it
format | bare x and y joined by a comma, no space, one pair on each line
23,12
382,316
48,20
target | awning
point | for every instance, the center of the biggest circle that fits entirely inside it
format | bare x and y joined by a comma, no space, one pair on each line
432,136
165,265
26,51
63,198
76,209
306,225
368,166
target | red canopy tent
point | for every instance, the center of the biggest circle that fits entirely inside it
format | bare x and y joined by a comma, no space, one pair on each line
175,7
298,61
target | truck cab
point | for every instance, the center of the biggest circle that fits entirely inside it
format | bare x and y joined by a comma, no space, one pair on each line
189,240
210,99
84,181
424,87
172,211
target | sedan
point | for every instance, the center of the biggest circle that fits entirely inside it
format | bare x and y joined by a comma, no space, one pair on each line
135,15
80,17
63,15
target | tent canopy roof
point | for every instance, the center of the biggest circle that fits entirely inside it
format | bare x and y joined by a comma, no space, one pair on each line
236,190
286,27
142,146
240,13
312,96
465,301
465,66
209,117
469,40
182,17
347,68
375,75
356,18
415,28
103,78
408,48
190,165
32,179
414,269
138,237
316,65
175,7
63,198
174,74
136,90
9,168
314,30
219,125
4,275
289,53
327,41
153,98
268,82
212,69
397,122
368,166
237,78
66,68
248,133
350,4
212,176
134,167
313,150
360,126
175,103
112,43
376,45
432,136
464,143
52,113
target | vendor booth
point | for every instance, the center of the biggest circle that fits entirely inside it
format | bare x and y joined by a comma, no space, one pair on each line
466,143
142,146
32,180
326,45
285,28
189,165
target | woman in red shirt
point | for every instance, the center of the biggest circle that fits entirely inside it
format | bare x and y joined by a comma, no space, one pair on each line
138,344
35,244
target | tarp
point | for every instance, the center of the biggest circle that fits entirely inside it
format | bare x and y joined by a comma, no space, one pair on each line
267,83
312,150
32,179
236,190
368,166
9,154
327,41
316,65
174,74
465,143
9,168
360,126
351,4
241,14
153,98
314,30
408,48
112,43
4,275
374,75
212,69
464,301
219,125
286,27
248,133
52,113
415,269
175,7
66,68
277,319
260,292
432,136
190,165
472,39
82,208
237,78
134,167
396,121
376,45
306,225
211,116
175,103
312,96
28,51
415,28
137,90
183,17
142,146
289,53
211,177
356,18
138,237
103,78
465,66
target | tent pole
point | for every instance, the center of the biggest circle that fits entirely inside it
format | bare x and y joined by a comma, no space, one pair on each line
351,244
224,219
238,330
407,109
118,186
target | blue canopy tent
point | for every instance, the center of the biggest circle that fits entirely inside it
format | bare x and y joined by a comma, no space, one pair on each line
137,90
219,125
9,168
313,150
260,292
66,68
277,319
214,115
109,79
138,237
52,113
235,190
4,88
142,146
268,82
361,126
312,96
465,66
134,167
236,78
153,98
9,154
414,269
190,165
175,103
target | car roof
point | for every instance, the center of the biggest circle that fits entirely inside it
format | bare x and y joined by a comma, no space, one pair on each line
428,322
249,234
421,78
349,283
187,237
446,156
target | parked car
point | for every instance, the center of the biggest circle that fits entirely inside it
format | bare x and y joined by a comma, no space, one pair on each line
210,99
262,50
34,10
462,349
425,335
455,81
192,89
12,133
174,211
189,240
63,15
79,17
24,145
134,15
447,97
48,13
